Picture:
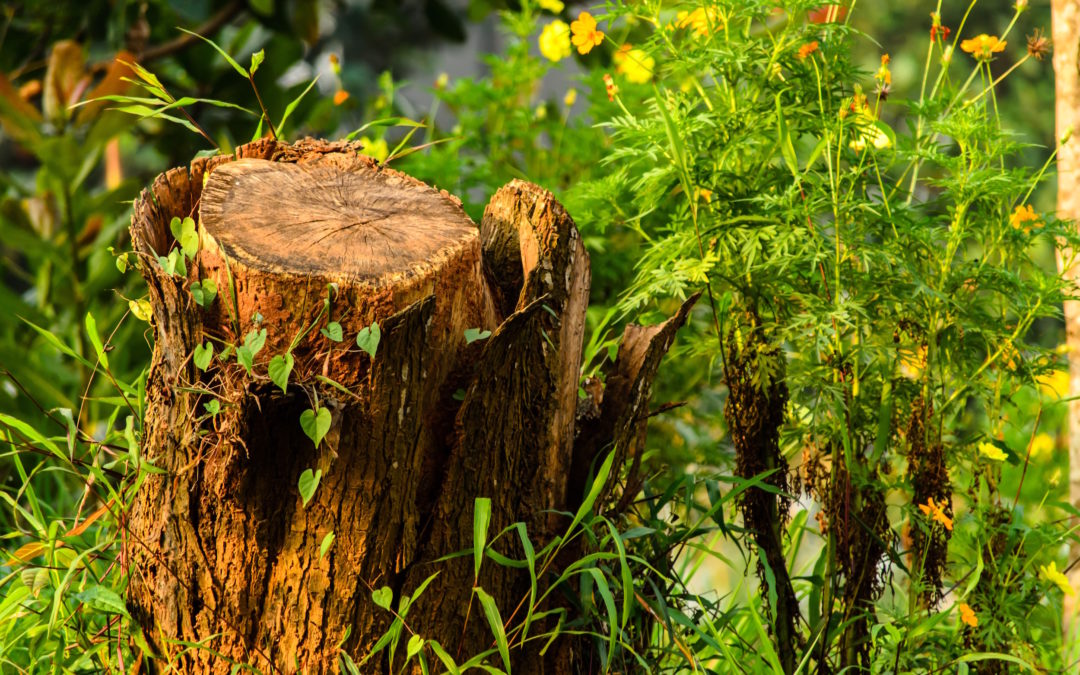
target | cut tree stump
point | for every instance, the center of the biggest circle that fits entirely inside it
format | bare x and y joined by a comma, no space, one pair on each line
299,239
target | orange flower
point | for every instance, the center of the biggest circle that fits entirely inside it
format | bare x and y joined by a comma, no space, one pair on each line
967,615
584,34
807,49
340,96
936,512
984,46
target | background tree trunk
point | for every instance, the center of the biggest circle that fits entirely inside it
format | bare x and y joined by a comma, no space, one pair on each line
1066,38
224,551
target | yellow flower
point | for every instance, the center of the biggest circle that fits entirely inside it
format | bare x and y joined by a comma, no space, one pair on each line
635,64
992,452
555,41
1023,214
376,149
570,98
983,47
869,133
1042,445
702,21
967,615
1050,573
553,6
936,512
1055,383
585,36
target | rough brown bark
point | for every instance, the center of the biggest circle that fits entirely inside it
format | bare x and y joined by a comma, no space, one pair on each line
1066,35
225,554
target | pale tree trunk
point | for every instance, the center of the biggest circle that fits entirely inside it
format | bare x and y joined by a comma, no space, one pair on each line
1066,34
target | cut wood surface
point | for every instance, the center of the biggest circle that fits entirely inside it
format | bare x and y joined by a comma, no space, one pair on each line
224,550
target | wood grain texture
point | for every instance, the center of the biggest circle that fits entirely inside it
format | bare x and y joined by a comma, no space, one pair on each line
345,220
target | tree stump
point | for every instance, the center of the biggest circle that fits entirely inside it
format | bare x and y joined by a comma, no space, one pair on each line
298,240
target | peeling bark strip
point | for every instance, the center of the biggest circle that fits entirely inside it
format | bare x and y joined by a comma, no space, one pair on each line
225,553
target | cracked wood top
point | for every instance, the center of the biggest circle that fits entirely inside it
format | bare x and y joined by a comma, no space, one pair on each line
342,219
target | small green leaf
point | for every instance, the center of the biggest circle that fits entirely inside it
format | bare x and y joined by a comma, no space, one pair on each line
103,599
225,353
173,264
315,424
383,597
245,358
95,340
474,334
186,234
204,292
255,341
256,59
203,354
333,331
416,643
327,542
141,309
213,406
491,612
309,481
481,520
279,369
368,339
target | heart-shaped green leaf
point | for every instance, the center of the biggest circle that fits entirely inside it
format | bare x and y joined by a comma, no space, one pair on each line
279,369
213,406
186,235
203,354
383,597
416,643
315,424
474,334
204,292
368,339
332,331
245,358
309,481
327,541
255,340
141,309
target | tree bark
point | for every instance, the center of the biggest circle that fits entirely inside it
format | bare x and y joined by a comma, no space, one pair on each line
225,553
1066,38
